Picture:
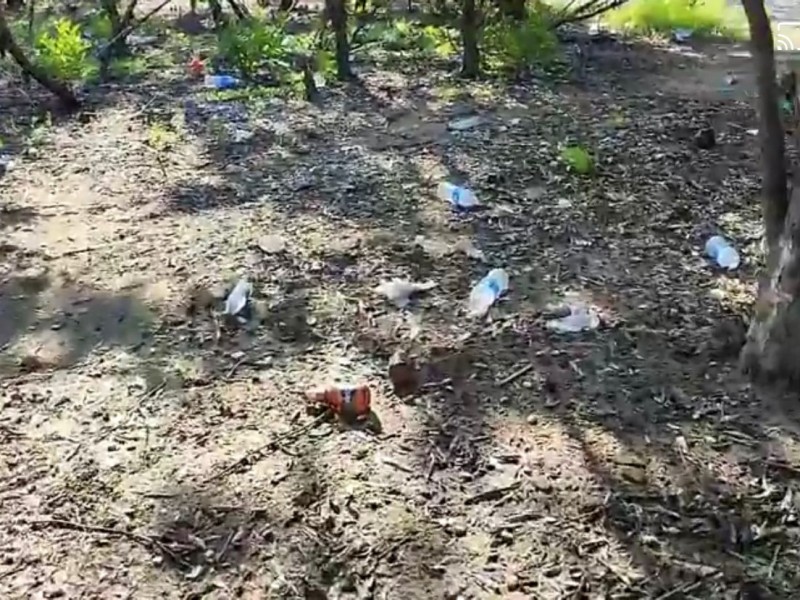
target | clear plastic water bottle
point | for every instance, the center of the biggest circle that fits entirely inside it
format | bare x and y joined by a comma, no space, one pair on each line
487,291
459,197
237,299
221,82
721,252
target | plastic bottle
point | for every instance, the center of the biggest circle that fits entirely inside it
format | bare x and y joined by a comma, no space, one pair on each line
221,82
237,299
487,291
459,197
720,251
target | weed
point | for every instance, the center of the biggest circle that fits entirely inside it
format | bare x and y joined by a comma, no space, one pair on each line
63,52
161,138
253,44
702,17
509,44
578,159
403,35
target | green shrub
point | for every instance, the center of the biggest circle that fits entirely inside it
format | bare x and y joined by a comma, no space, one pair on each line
703,17
509,44
63,52
253,44
403,35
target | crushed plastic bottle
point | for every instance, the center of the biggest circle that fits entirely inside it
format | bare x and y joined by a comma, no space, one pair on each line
221,82
487,291
459,197
721,252
580,318
237,299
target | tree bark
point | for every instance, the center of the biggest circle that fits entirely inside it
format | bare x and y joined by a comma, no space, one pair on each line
770,352
59,89
774,194
471,57
337,13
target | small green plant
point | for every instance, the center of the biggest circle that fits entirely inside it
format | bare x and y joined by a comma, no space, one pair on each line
509,44
161,138
702,17
253,44
578,159
63,52
401,35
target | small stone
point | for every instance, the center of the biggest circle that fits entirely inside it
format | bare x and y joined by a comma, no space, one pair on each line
512,582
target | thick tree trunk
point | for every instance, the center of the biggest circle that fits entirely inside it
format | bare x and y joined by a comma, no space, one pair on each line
62,91
337,13
471,57
770,353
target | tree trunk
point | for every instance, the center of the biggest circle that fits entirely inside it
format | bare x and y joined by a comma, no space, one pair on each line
118,42
774,195
337,13
770,353
62,91
471,58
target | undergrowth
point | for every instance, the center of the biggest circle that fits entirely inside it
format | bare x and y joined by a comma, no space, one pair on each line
702,17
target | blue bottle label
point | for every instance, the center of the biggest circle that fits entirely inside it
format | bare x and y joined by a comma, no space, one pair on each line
455,195
494,286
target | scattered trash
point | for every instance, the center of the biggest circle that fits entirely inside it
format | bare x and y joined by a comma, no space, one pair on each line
241,135
347,402
221,82
237,299
399,291
196,66
580,318
487,291
731,79
319,80
681,35
459,197
6,164
464,124
720,251
141,40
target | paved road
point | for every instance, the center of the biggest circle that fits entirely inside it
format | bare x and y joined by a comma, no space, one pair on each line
784,10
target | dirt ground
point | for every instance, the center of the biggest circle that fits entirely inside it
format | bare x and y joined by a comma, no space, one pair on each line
151,450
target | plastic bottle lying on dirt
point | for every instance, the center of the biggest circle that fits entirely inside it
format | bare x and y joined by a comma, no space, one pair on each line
487,291
721,252
349,402
459,197
221,82
237,299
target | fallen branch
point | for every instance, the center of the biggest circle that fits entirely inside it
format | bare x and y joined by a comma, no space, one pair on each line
492,494
273,444
515,375
146,541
